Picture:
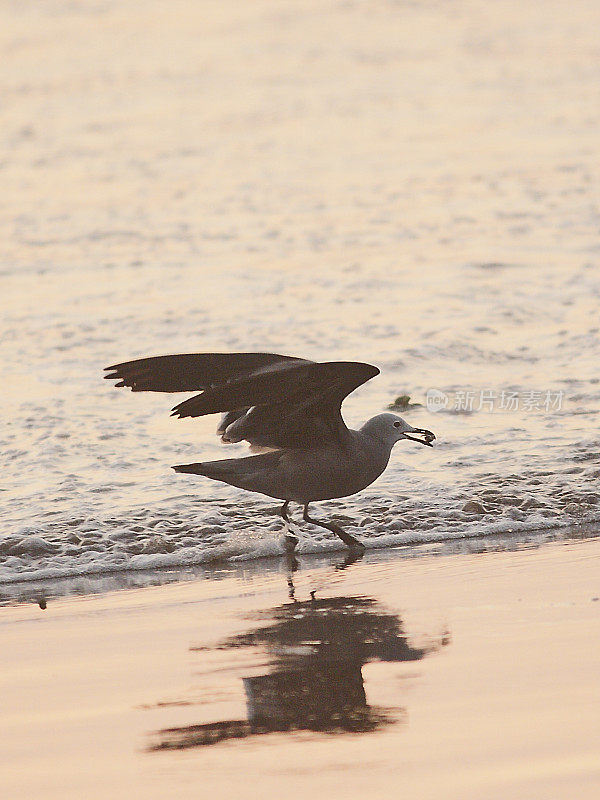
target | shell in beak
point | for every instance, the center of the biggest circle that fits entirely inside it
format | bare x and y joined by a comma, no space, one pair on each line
428,436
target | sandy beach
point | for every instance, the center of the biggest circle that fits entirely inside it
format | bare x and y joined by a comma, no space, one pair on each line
490,690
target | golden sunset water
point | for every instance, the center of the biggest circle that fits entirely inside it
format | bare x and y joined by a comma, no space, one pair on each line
413,185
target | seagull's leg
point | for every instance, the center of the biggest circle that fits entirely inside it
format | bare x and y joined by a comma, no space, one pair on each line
290,540
348,540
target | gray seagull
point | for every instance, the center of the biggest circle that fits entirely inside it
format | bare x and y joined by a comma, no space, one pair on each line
289,411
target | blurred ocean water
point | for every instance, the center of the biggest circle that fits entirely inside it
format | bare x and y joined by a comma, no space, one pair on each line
409,184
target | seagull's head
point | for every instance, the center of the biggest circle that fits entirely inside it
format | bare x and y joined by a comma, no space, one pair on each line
391,429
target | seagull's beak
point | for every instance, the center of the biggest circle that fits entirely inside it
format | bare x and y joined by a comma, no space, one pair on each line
427,439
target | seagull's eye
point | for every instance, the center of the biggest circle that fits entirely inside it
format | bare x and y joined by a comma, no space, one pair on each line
396,424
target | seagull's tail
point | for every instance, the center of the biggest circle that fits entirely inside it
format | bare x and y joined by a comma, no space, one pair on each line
194,469
254,473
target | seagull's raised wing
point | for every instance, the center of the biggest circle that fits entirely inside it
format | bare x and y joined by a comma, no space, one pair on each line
191,371
276,401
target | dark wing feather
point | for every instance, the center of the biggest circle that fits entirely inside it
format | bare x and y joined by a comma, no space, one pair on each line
190,372
293,405
279,401
280,382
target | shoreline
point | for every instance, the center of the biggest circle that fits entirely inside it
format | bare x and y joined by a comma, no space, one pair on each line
148,575
32,587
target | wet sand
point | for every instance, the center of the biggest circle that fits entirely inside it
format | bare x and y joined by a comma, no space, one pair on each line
462,676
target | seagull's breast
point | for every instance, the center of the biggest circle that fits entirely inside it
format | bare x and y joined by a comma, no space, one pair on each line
328,472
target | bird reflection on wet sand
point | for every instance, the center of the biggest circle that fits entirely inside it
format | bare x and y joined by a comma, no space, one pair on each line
317,650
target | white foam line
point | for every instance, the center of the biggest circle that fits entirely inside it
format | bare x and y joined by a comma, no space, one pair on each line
191,556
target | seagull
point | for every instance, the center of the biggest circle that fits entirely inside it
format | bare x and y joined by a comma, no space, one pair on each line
289,411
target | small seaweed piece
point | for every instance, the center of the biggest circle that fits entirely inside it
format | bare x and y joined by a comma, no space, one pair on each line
402,403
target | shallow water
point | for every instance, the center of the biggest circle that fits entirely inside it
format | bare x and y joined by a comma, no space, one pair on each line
417,191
